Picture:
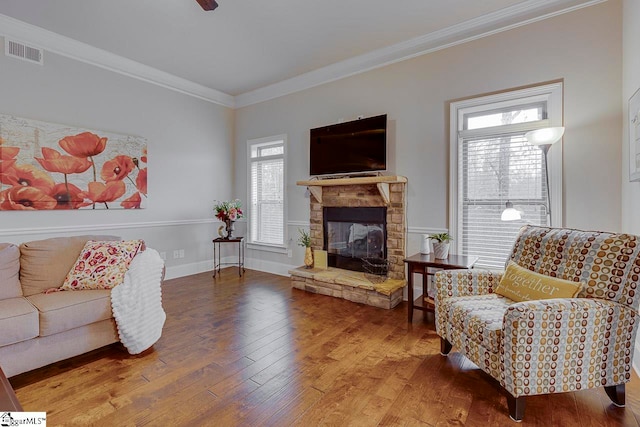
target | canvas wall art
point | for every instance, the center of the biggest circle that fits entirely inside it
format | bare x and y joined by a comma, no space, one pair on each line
46,166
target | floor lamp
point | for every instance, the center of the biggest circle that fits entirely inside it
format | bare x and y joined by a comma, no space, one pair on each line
542,138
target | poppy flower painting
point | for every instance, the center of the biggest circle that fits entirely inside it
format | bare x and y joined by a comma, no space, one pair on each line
45,166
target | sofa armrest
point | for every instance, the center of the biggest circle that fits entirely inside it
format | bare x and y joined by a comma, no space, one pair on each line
567,344
454,283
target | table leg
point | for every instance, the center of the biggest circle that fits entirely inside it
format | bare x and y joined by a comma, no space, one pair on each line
244,250
410,293
239,258
214,260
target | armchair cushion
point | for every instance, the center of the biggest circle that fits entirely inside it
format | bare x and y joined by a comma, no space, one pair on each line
521,284
480,318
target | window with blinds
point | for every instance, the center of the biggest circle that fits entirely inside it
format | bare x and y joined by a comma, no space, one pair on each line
266,188
494,164
496,170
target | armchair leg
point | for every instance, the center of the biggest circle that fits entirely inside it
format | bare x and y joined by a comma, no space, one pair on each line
445,346
516,407
616,394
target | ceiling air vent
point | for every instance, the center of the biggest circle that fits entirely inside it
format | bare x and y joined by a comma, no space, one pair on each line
22,51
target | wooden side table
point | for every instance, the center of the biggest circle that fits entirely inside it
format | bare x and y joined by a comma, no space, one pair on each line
8,400
421,264
217,249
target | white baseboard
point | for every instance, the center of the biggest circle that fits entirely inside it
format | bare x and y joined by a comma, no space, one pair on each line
269,266
250,263
188,269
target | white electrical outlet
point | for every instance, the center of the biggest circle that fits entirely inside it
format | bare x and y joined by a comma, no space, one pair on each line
181,253
289,253
176,254
163,255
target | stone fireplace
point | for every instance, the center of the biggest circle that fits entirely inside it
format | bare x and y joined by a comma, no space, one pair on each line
354,218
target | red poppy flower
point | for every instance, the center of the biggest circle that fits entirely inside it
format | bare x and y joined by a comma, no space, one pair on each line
144,155
56,162
25,198
28,176
101,193
132,202
117,169
7,160
85,144
8,153
5,169
68,199
141,181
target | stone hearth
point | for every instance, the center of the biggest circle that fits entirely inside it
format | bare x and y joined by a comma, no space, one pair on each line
350,285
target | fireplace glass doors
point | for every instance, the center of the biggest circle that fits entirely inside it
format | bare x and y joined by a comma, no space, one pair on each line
351,234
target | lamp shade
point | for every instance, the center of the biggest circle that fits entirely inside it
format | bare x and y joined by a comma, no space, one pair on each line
510,214
544,136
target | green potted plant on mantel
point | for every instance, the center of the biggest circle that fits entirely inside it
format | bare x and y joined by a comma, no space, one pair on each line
441,244
305,241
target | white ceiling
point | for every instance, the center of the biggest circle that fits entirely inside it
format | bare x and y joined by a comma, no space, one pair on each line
245,46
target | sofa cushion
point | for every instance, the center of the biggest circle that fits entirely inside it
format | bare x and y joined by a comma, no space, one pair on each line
45,263
479,317
521,284
62,311
101,264
18,321
9,271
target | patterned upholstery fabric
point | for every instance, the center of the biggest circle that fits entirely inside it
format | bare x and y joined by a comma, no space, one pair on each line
555,345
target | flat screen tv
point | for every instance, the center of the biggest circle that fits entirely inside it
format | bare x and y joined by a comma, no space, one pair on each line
347,148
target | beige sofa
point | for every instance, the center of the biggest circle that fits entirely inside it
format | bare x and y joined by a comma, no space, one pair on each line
37,329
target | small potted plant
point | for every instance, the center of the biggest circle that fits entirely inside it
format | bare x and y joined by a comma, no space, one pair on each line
305,241
441,245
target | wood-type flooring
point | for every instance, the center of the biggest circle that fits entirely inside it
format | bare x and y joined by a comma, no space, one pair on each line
251,351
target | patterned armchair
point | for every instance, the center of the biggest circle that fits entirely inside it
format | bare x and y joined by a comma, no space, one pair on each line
552,345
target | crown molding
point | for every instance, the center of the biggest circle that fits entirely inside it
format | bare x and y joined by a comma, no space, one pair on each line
70,48
503,20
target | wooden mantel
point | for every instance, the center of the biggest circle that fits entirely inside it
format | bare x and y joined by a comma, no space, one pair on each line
382,182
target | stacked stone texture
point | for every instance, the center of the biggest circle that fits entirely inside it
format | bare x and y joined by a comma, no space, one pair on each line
363,196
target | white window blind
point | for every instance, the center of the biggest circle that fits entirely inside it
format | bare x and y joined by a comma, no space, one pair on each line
496,170
266,211
492,164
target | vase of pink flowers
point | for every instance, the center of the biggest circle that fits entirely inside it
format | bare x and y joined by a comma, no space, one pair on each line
228,212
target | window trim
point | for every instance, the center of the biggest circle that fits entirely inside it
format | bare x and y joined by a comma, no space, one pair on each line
258,245
552,93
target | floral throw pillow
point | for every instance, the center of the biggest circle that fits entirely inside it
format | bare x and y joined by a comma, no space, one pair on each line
101,264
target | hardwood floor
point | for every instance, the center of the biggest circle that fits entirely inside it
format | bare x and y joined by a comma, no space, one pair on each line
251,351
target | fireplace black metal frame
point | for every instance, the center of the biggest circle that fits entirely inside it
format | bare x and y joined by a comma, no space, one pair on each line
362,215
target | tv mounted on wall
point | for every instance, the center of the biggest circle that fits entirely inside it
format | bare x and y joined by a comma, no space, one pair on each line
347,148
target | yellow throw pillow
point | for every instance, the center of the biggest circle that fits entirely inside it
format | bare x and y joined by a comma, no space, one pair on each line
102,264
521,284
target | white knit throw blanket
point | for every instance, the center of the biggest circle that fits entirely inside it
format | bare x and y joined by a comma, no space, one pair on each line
137,302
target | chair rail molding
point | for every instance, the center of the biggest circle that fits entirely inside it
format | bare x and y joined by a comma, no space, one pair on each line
101,227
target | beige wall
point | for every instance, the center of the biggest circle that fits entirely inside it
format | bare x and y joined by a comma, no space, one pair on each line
190,145
630,83
583,48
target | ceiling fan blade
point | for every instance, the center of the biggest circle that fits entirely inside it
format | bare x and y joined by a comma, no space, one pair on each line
208,4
